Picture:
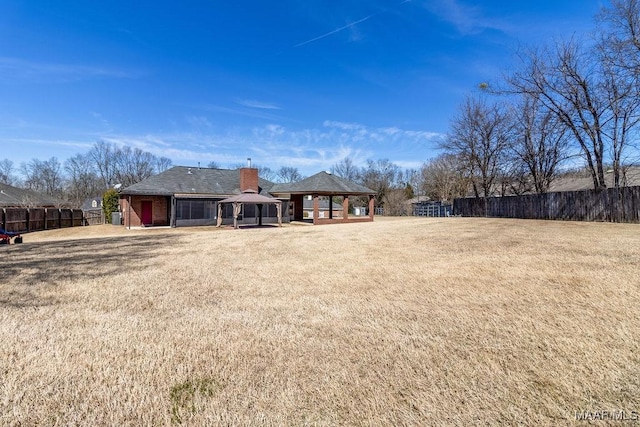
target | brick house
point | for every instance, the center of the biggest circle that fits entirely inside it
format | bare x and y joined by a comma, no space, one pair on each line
189,196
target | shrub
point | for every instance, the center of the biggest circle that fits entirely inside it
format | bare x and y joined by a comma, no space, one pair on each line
110,203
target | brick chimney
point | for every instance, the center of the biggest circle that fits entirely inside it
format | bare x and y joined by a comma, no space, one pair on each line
248,179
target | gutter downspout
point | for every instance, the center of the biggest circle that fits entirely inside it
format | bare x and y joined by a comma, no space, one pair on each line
129,213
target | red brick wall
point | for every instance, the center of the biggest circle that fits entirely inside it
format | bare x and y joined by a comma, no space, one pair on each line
160,209
248,179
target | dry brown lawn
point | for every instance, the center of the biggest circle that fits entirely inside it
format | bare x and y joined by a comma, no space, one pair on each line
397,322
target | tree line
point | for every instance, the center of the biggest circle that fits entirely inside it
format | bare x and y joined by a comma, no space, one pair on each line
574,99
84,175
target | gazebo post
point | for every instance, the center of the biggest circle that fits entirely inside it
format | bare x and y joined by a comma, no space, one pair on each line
345,207
279,213
372,205
236,212
330,206
316,208
219,219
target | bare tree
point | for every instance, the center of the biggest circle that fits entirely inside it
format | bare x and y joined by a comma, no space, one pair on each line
619,38
6,172
621,118
618,48
265,172
540,144
163,164
445,178
396,202
82,180
133,165
289,174
213,165
567,82
380,176
104,157
43,176
346,169
411,180
479,137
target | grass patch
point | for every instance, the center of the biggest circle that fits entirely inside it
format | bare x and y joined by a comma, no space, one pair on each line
183,397
405,321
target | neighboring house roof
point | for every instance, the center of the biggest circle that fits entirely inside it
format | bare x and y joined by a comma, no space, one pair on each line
193,182
421,199
88,204
630,178
19,197
322,183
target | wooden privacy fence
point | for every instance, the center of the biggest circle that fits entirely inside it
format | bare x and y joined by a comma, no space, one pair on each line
611,204
22,219
93,217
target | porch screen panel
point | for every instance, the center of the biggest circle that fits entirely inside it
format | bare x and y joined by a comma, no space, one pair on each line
195,209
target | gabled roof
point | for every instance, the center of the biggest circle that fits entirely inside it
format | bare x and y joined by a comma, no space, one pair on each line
630,178
19,197
183,180
322,183
87,205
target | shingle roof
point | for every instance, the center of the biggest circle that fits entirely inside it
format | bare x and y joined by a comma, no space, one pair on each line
322,183
585,182
250,198
19,197
87,205
193,180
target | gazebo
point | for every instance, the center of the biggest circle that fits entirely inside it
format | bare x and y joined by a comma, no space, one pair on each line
327,185
249,197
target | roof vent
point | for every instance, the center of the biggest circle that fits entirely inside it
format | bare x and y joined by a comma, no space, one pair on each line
189,171
248,162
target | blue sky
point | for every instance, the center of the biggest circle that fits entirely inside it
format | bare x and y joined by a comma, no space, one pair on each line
287,83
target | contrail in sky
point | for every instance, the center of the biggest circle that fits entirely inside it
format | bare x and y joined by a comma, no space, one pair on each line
351,24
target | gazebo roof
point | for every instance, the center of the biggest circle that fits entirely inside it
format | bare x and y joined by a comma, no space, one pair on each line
322,183
250,197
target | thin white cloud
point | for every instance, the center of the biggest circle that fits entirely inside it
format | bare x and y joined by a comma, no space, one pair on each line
342,125
251,103
199,122
467,19
100,118
16,68
309,149
254,113
45,145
